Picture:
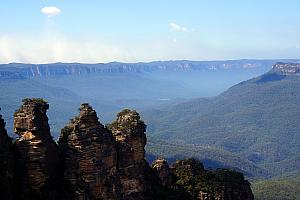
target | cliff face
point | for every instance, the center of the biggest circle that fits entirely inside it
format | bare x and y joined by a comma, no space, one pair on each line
90,157
6,163
287,68
129,133
24,71
37,156
93,162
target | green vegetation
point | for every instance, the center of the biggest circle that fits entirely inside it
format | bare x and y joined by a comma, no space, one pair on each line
209,156
192,176
191,180
34,100
257,121
132,120
277,189
37,101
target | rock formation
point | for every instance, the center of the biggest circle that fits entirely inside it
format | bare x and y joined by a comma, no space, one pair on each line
37,156
201,184
129,132
90,157
6,163
163,172
287,68
93,162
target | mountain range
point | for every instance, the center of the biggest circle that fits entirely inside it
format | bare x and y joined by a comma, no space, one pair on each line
195,109
256,122
111,87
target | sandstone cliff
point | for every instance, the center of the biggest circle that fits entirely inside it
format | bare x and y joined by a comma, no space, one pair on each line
287,68
129,133
94,162
90,157
37,156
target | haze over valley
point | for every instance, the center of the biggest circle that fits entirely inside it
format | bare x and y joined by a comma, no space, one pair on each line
149,100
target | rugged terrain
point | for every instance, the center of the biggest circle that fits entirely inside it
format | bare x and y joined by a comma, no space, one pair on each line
251,128
111,87
92,161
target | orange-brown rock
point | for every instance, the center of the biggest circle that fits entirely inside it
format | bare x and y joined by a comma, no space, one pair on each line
37,155
90,157
129,132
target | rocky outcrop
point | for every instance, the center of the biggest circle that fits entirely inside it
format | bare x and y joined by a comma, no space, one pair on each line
129,132
37,156
25,71
90,157
287,68
93,162
6,163
163,172
220,184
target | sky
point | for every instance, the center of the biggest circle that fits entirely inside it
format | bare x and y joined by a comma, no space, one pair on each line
93,31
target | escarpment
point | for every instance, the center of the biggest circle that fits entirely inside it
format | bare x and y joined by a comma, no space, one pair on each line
94,162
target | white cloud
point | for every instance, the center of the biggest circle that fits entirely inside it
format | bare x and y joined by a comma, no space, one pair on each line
51,11
55,47
176,27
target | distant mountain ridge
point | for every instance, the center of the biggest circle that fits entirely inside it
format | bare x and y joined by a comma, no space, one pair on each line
256,119
286,68
23,71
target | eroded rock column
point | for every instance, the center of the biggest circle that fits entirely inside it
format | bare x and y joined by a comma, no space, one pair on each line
129,132
90,157
37,155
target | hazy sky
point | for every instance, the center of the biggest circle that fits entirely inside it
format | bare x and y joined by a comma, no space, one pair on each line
41,31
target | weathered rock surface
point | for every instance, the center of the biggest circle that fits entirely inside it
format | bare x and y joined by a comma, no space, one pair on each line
163,172
6,163
90,157
37,156
93,162
287,68
129,132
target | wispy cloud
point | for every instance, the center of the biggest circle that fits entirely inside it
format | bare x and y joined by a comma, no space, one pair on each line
51,11
176,27
55,47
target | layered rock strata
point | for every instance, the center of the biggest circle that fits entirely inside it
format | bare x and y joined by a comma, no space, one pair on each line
37,156
93,162
90,157
129,132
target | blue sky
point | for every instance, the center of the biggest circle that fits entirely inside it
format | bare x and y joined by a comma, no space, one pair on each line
42,31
